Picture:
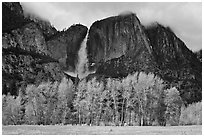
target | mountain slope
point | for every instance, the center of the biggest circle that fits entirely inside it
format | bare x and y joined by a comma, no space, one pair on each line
32,50
120,45
179,65
64,46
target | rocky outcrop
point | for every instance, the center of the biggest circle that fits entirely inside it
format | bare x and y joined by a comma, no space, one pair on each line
47,29
26,60
177,63
12,16
118,46
199,55
33,51
64,46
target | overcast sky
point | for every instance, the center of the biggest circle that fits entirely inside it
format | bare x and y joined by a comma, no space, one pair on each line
185,19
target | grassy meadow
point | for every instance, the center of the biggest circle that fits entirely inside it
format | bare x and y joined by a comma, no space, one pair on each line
100,130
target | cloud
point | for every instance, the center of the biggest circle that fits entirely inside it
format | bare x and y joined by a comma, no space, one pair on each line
46,11
185,19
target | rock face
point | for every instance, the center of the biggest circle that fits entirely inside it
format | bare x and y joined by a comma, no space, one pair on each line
118,46
12,16
33,51
179,66
46,28
199,55
64,46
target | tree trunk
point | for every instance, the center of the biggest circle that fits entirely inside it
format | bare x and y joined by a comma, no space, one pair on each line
140,115
99,115
90,119
129,117
126,115
122,119
79,118
115,113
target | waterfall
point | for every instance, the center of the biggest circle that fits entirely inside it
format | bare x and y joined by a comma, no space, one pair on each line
82,66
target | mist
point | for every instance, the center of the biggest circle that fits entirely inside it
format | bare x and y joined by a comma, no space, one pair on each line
184,18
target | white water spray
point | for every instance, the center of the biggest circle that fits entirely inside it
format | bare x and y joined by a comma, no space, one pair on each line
82,65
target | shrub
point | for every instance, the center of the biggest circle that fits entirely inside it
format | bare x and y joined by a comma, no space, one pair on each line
192,114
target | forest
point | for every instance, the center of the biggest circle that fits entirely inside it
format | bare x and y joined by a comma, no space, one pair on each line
137,100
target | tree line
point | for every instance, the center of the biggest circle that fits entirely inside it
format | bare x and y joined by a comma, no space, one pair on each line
139,99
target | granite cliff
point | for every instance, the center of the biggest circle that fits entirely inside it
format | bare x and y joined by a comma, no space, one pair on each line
33,51
120,45
179,65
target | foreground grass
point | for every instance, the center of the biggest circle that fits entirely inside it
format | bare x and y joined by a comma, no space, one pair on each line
100,130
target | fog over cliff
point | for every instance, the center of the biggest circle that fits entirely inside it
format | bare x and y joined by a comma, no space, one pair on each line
112,47
184,18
